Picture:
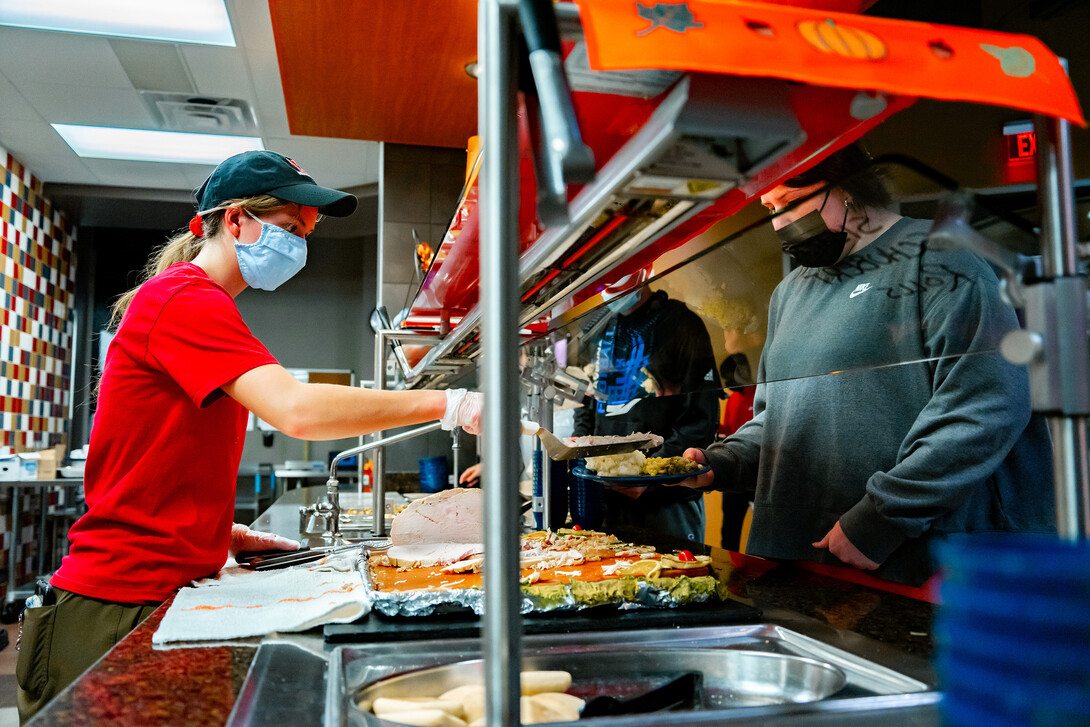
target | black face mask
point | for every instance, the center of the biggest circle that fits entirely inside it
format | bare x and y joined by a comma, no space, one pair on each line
810,242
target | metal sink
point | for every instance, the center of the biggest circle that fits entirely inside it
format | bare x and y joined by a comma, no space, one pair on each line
731,677
760,672
356,519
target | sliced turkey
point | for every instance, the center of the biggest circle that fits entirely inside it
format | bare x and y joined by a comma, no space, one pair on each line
450,516
428,555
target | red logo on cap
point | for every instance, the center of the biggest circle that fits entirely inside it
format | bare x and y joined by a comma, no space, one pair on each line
299,168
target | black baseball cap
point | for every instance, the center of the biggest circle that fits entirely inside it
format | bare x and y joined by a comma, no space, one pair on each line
266,172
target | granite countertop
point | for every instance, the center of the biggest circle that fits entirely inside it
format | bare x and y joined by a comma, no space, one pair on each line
136,685
133,684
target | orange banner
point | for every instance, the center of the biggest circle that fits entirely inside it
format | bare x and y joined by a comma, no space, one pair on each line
829,49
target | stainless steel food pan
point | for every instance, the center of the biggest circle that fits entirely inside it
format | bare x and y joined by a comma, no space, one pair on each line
732,677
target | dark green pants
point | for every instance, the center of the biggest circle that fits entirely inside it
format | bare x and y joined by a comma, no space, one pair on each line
61,638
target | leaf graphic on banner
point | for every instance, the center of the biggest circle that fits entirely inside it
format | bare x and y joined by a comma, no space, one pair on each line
672,16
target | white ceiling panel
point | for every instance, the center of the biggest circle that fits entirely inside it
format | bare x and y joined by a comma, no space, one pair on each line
79,79
252,24
61,169
149,175
195,174
27,139
265,72
219,71
40,56
332,162
68,104
14,105
153,66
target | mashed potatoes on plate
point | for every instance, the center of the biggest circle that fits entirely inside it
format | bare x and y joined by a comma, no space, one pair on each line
617,465
636,463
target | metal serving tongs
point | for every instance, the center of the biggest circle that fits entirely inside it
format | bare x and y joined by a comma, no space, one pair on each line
556,449
273,559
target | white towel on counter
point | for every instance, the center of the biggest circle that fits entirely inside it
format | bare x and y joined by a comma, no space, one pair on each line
239,603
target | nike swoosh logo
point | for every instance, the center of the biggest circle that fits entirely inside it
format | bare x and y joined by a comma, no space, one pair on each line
863,288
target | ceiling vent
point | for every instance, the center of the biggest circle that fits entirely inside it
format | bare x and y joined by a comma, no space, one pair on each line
201,114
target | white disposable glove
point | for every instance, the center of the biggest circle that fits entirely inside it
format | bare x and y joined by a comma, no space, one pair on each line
243,540
463,410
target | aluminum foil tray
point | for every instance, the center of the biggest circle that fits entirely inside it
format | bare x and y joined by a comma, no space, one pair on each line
640,594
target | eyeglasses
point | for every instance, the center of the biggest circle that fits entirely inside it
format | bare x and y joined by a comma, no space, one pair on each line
292,227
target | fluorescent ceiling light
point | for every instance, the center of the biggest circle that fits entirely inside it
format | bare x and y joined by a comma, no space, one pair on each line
141,145
179,21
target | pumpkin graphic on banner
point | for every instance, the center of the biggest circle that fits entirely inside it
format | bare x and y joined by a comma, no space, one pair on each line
829,37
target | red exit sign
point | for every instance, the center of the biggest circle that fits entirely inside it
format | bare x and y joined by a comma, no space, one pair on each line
1021,141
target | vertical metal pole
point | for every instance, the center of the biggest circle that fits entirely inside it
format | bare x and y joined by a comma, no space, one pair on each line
44,502
13,549
378,466
545,419
455,447
1069,442
496,54
541,411
1060,265
378,469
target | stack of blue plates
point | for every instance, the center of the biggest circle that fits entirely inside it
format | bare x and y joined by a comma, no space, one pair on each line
1013,632
587,503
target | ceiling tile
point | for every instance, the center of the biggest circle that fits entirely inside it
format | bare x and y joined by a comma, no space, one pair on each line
61,169
220,72
336,163
265,72
14,104
149,175
70,104
153,66
195,174
71,58
251,23
29,139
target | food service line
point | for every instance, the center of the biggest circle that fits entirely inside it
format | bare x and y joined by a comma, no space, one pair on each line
787,598
1055,306
499,319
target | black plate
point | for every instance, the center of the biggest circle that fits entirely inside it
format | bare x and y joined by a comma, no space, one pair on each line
636,480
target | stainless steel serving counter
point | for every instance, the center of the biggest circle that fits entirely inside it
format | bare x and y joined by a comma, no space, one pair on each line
287,679
825,614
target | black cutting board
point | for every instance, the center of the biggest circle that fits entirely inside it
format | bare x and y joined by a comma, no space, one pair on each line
375,627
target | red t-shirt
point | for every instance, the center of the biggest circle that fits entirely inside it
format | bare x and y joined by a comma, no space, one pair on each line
166,443
738,411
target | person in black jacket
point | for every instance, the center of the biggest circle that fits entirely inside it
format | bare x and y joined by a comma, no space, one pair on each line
656,372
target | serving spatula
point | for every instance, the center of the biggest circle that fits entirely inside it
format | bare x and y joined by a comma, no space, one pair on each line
556,449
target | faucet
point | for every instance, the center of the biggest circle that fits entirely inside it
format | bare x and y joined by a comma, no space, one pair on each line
329,508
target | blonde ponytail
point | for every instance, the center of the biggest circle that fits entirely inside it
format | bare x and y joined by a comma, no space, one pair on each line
184,247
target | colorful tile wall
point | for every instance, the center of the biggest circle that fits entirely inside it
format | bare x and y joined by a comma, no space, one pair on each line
37,284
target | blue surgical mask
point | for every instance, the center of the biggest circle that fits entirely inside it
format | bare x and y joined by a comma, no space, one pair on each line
273,259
